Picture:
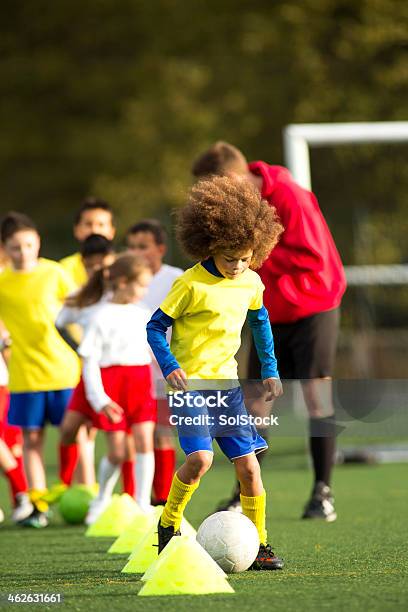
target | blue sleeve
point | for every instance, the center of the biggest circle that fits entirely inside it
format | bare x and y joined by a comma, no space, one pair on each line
261,330
156,337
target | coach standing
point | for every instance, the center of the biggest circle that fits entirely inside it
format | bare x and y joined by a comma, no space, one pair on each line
304,283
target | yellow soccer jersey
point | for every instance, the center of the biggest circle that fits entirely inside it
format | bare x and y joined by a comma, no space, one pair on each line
29,303
75,268
209,313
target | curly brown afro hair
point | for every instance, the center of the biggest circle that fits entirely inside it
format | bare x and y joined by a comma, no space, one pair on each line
227,213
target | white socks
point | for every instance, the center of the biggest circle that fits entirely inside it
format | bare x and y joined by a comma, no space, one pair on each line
144,472
108,475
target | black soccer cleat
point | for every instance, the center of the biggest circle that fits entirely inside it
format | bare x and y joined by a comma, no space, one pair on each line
321,504
37,519
266,559
165,534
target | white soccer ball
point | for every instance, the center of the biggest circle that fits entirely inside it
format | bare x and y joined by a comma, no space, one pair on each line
231,539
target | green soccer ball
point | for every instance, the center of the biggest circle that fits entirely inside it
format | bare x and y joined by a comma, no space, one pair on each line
74,503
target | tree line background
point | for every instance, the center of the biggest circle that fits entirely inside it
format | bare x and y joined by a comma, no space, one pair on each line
115,99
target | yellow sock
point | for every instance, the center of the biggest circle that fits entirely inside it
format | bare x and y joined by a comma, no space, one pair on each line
179,496
36,499
255,509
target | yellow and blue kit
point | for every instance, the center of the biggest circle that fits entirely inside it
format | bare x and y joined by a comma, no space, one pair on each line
207,312
73,264
42,367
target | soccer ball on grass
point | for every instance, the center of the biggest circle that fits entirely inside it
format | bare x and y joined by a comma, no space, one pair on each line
74,503
231,539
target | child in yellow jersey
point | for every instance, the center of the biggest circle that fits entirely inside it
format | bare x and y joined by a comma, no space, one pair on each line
230,230
94,217
43,369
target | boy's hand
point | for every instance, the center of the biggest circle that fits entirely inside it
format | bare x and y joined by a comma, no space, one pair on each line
273,387
177,379
113,411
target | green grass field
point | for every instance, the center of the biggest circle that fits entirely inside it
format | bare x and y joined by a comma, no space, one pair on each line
359,562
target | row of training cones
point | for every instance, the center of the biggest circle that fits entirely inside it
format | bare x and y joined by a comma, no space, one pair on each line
145,551
182,568
115,519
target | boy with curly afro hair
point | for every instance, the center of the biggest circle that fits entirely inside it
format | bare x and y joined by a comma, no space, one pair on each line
230,230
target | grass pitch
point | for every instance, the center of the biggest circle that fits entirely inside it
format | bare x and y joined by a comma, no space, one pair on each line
360,562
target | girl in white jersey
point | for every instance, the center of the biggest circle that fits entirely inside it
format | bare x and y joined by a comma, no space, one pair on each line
72,320
115,391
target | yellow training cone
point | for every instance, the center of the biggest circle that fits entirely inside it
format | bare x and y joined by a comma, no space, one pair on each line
135,532
115,518
174,542
194,546
144,553
186,571
187,529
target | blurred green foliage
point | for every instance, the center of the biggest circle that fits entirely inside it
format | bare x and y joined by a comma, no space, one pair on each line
116,98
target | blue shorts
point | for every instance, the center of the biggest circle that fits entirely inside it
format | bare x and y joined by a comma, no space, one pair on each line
32,410
199,422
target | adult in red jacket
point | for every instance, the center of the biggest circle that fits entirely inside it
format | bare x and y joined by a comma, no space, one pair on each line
304,283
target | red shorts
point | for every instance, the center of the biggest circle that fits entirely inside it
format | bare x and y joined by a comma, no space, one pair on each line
163,413
11,434
128,386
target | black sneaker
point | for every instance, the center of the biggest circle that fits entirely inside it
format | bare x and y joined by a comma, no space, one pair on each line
232,505
37,519
321,504
165,534
266,559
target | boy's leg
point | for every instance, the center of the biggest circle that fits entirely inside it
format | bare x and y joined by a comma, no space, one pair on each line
13,437
109,467
128,466
7,461
196,442
253,497
33,458
185,482
68,448
85,469
165,463
34,467
70,452
28,411
108,474
164,453
144,462
253,500
240,446
23,507
257,407
12,471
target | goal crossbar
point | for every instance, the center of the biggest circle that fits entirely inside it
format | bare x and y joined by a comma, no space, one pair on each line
297,140
299,137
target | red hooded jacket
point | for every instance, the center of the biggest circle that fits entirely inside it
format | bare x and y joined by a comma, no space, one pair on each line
303,275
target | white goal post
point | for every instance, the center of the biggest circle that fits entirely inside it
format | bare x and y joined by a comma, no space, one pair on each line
297,138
